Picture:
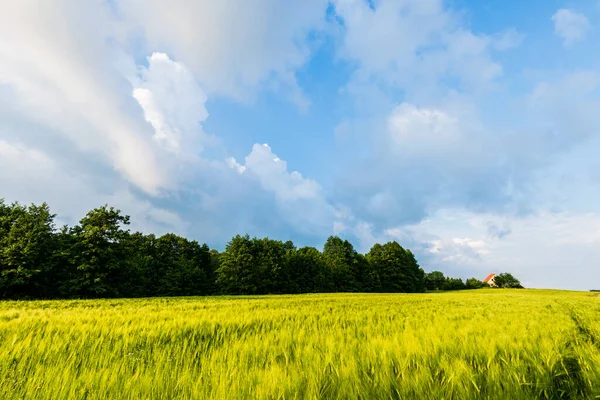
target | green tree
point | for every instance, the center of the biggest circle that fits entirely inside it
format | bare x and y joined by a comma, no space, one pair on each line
396,268
341,259
474,283
454,284
215,262
506,280
435,280
171,265
270,256
140,269
253,266
26,246
235,274
366,277
201,272
180,267
416,273
100,254
307,271
63,278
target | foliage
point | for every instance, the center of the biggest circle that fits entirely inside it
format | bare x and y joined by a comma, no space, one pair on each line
341,259
435,280
486,344
253,266
453,284
506,280
474,283
307,271
99,254
396,268
100,257
26,245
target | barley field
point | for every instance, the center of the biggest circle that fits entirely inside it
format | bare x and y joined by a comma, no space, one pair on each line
485,344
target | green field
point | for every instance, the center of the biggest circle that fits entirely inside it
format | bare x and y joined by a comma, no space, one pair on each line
519,344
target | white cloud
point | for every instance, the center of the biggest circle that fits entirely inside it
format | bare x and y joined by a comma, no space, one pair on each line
145,216
434,147
458,251
57,59
232,47
421,131
444,154
416,46
301,200
173,103
70,68
233,164
551,250
543,249
69,84
17,161
31,176
387,38
27,174
571,26
274,177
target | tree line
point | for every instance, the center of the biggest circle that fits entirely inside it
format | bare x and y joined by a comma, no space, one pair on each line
436,280
100,257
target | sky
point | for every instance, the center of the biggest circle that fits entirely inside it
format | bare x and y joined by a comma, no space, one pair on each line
468,131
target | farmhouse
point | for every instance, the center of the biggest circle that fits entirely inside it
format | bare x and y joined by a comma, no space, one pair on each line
490,280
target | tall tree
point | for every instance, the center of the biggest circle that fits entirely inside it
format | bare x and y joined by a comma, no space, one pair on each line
270,265
474,283
415,273
435,280
139,271
341,259
366,276
397,269
195,268
506,280
252,266
454,284
101,253
26,246
168,266
235,272
307,271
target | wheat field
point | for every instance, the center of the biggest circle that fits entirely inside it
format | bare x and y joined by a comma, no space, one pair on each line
486,344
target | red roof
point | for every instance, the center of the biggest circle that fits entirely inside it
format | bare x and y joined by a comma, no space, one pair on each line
490,276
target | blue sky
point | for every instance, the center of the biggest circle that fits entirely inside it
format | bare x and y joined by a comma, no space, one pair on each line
466,130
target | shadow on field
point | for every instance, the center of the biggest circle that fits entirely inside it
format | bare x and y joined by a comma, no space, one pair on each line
568,381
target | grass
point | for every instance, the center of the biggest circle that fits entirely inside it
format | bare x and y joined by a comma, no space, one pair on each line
487,344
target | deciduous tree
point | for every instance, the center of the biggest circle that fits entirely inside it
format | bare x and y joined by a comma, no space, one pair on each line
506,280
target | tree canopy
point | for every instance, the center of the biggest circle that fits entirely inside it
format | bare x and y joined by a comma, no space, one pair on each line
101,257
506,280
